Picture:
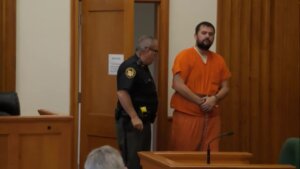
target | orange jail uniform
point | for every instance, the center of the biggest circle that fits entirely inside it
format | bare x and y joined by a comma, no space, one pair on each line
191,128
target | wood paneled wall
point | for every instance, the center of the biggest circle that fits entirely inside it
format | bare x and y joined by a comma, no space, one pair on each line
7,45
260,42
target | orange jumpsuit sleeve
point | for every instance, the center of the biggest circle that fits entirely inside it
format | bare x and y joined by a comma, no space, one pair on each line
182,65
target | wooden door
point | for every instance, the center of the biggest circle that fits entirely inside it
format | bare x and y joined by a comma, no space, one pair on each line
107,28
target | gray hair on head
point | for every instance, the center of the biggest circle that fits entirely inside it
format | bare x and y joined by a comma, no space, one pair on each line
144,42
104,157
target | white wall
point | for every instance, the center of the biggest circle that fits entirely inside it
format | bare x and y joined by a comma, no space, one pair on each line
43,55
184,16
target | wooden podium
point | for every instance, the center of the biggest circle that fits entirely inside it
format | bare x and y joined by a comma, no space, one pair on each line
197,160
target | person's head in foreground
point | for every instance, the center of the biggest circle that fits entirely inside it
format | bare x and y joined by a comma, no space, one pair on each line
105,157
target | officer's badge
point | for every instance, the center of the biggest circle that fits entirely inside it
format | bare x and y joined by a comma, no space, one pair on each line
130,72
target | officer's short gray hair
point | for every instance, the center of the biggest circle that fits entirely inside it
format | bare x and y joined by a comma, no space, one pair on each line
144,42
103,158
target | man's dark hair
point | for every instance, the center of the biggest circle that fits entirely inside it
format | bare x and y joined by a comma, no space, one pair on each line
205,23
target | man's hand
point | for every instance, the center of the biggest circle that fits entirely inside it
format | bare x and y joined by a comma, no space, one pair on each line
209,103
137,123
200,100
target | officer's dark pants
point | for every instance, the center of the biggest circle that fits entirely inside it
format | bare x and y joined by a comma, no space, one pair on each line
131,141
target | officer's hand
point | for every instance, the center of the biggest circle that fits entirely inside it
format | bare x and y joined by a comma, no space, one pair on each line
137,123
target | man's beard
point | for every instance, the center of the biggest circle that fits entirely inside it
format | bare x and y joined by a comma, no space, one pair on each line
203,46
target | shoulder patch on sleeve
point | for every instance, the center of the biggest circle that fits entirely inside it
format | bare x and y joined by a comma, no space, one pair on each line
130,72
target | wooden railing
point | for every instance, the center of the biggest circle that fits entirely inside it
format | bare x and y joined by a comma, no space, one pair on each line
36,142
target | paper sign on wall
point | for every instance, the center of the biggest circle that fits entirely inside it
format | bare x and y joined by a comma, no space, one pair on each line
114,61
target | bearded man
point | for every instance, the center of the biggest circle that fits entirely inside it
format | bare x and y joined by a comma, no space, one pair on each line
200,81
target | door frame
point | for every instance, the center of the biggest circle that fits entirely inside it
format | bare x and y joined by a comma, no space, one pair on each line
74,76
163,37
8,45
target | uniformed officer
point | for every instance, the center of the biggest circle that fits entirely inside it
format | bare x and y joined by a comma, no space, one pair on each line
137,102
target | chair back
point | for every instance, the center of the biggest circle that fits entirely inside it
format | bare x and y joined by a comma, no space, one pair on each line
9,104
290,152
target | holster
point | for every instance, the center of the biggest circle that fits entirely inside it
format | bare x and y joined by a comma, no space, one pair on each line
148,116
145,117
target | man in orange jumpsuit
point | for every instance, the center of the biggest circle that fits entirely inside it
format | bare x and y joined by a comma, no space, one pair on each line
200,81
